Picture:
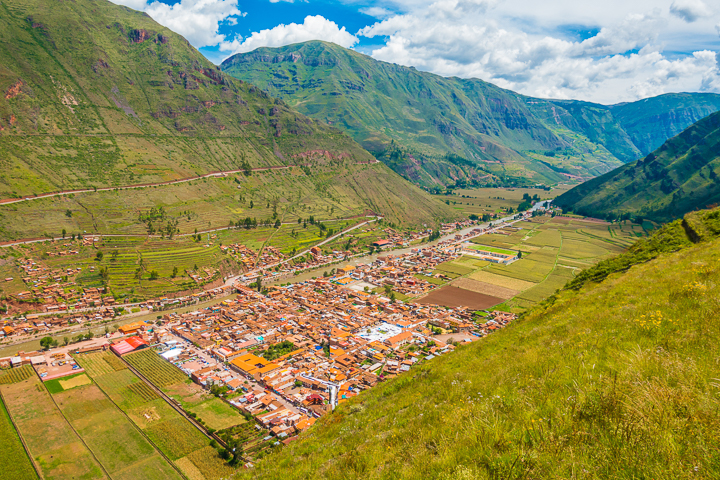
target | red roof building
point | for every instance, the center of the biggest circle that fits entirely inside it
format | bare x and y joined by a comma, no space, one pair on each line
128,345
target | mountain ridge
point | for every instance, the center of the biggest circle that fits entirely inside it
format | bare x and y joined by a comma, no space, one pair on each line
675,179
95,95
412,119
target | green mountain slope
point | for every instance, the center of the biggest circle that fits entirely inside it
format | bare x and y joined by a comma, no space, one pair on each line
436,130
678,177
93,94
616,379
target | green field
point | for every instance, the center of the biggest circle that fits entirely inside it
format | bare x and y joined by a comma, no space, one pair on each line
120,447
172,434
554,250
210,410
14,462
56,448
490,201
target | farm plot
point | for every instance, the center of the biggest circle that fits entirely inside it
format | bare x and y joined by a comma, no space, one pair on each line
156,369
16,375
116,443
213,412
14,462
58,451
486,288
450,296
501,280
454,268
168,431
525,269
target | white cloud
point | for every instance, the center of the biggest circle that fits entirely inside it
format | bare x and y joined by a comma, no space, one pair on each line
313,28
689,10
377,12
196,20
623,61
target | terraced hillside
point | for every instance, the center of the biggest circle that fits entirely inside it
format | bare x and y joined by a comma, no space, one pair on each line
97,95
677,178
437,131
614,377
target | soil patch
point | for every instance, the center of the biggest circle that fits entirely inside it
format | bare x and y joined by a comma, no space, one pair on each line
449,296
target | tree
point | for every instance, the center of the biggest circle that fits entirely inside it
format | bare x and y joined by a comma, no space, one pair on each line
68,213
277,223
174,272
104,275
154,275
99,256
113,255
46,342
64,232
252,204
66,340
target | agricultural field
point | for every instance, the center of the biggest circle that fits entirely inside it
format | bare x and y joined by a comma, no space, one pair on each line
121,448
554,250
14,462
169,432
210,410
215,202
140,267
56,448
482,201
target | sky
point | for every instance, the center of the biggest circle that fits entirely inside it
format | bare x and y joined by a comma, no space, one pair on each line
606,51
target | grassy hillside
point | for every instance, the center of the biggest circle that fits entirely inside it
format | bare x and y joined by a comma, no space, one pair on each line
677,178
96,95
436,131
616,378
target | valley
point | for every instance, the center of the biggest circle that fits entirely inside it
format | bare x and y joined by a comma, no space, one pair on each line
301,261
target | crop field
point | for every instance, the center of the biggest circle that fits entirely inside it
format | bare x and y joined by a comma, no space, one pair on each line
554,250
58,385
204,462
56,448
451,296
116,443
213,412
156,369
168,431
15,375
215,202
453,267
480,201
14,462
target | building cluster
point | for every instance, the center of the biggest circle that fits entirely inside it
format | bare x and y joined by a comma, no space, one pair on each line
56,288
291,355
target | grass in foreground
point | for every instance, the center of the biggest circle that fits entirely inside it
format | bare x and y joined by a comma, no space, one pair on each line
617,379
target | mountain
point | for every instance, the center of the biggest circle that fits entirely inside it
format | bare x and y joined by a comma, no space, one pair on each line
678,177
435,130
95,95
613,377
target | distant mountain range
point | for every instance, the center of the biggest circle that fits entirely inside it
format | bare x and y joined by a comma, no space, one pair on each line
437,131
678,177
94,94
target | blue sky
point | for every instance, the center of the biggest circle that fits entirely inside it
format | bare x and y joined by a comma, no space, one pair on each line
608,52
